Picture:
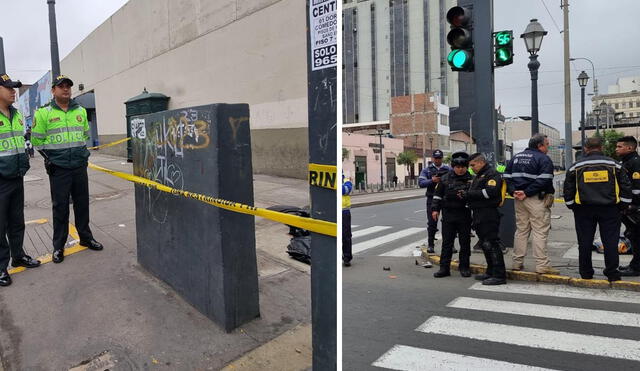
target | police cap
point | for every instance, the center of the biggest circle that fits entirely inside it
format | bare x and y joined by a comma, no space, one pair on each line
60,79
6,81
460,159
438,154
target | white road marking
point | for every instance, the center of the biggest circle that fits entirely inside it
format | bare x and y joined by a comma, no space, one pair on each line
362,246
419,211
548,311
370,230
534,338
406,358
354,226
618,296
403,251
572,253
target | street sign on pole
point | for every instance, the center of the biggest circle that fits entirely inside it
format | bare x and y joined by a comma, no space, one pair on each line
322,41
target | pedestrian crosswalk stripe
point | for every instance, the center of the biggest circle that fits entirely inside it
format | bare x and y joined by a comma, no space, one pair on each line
370,230
354,226
406,358
548,311
362,246
618,296
535,338
406,250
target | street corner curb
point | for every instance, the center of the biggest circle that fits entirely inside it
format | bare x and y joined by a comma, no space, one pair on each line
477,269
589,284
522,276
626,285
385,201
430,257
554,278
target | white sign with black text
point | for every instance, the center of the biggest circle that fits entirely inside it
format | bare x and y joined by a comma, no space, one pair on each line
323,16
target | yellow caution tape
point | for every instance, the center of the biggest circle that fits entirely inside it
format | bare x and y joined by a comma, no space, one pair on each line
110,144
313,225
323,176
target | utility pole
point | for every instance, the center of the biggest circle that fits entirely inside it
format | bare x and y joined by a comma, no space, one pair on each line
568,145
322,85
3,68
53,35
485,113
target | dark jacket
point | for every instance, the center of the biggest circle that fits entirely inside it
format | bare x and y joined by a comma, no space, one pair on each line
631,163
446,192
424,180
486,189
530,171
596,180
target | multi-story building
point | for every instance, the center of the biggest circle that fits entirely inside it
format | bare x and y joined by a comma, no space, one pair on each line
366,158
518,133
393,48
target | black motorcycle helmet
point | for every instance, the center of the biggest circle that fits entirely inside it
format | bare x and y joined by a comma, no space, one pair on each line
460,159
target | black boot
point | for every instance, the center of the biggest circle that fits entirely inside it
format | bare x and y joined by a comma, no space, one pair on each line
481,277
464,271
498,273
443,272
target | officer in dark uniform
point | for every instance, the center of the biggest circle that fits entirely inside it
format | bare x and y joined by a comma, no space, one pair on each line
456,216
429,177
626,150
597,188
484,197
14,164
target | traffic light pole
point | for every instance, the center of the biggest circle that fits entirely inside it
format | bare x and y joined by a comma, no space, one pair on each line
322,35
53,35
485,123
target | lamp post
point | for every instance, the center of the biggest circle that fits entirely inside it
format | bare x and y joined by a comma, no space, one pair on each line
583,78
593,74
604,108
596,111
380,131
533,35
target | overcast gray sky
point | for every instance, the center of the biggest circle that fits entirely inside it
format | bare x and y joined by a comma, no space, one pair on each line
25,31
605,31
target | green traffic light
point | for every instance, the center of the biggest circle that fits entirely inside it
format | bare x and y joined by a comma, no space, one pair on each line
460,59
503,54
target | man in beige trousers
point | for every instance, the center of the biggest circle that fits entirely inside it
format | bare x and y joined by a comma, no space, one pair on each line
529,177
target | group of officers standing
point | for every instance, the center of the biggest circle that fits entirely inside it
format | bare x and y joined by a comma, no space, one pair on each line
600,191
59,132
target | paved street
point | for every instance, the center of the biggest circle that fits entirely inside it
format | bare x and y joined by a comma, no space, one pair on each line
403,317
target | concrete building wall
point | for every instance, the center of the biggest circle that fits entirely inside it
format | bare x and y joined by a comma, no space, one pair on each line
384,58
200,52
520,130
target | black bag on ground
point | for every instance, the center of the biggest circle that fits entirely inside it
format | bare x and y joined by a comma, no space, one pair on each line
300,249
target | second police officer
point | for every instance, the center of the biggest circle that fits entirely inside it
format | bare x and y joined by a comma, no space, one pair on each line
595,189
484,197
456,216
626,150
429,177
60,131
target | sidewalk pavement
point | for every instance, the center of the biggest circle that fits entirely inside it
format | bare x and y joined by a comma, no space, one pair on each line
562,249
102,309
368,199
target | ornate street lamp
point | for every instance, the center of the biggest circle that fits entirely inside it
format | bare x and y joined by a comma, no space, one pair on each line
583,78
533,35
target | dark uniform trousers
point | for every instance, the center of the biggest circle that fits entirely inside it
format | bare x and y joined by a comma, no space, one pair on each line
346,236
65,183
633,232
456,222
608,219
432,225
486,223
11,220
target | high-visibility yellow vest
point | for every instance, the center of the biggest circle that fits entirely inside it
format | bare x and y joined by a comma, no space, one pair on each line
13,159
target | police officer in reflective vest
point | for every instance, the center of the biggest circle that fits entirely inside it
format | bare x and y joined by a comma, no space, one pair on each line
429,177
14,164
60,131
626,150
597,188
484,197
456,216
